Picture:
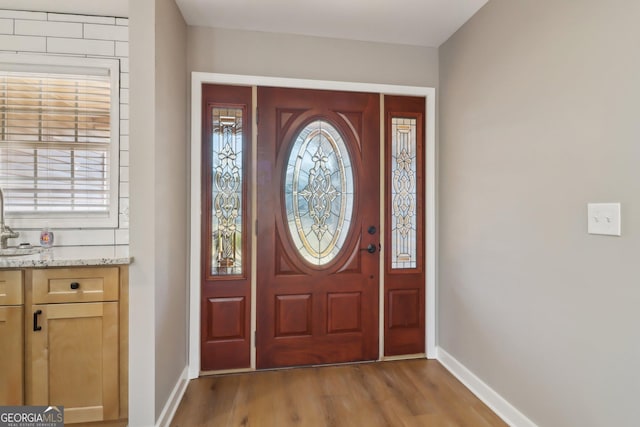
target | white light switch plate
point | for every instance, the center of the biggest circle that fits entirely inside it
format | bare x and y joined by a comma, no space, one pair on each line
603,218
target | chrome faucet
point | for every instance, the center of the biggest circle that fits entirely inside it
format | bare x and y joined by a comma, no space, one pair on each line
6,232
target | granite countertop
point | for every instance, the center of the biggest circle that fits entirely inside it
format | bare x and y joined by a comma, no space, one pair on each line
70,256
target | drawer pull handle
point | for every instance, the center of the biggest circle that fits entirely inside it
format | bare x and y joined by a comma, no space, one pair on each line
75,285
35,320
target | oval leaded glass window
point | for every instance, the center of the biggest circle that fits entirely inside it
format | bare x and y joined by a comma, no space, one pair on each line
318,192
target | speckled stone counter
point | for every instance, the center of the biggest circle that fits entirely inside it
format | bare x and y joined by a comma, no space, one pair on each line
70,256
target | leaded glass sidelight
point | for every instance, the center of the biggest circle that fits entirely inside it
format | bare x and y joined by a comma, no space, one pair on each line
226,188
318,192
403,193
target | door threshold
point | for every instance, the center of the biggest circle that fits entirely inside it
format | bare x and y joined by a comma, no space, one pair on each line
225,372
404,357
323,365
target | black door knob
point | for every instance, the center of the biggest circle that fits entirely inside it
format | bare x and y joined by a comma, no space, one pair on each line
75,285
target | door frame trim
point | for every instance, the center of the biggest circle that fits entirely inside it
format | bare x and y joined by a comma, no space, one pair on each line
199,78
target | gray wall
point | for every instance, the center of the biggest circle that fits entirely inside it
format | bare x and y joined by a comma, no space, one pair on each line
159,181
293,56
171,191
538,116
142,272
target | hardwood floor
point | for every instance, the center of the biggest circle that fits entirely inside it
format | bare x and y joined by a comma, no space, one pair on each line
400,393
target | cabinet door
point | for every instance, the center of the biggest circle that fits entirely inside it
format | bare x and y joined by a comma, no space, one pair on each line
74,360
11,356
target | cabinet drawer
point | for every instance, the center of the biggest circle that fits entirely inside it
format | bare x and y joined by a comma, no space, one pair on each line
11,287
75,285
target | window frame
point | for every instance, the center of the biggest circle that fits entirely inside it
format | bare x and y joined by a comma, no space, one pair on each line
75,65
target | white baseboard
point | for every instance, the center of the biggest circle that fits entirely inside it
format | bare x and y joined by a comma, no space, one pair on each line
490,397
175,397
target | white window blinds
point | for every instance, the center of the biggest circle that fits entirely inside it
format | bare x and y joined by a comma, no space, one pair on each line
55,143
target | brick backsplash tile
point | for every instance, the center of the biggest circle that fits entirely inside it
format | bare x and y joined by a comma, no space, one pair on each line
122,49
81,18
124,80
124,127
124,96
106,32
86,47
23,43
54,29
124,142
6,26
21,14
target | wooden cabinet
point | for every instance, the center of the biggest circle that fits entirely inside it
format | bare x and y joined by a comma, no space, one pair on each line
76,349
11,338
74,360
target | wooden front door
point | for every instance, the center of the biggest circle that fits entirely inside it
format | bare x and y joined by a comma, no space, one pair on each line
317,227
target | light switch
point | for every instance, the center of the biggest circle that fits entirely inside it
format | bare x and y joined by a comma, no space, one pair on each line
603,218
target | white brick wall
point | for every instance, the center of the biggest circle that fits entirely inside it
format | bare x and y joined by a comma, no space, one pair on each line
86,36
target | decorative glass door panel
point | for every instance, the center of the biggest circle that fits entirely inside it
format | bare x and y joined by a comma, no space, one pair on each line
318,192
404,193
227,168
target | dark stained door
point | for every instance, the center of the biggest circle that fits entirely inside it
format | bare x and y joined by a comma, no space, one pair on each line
317,227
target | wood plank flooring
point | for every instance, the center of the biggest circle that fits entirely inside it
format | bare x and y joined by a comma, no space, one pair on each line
400,393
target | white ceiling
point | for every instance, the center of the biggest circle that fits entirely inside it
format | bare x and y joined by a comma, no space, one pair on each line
412,22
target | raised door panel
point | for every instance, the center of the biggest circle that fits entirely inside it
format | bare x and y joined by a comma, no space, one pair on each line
293,315
226,318
344,312
11,356
404,308
74,360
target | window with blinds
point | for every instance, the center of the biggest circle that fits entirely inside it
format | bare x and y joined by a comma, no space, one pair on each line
56,145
